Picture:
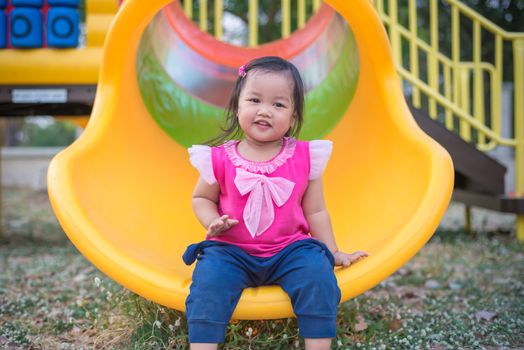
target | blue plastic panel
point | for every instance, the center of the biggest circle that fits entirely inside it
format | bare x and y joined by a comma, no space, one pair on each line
27,3
3,29
67,3
62,27
26,27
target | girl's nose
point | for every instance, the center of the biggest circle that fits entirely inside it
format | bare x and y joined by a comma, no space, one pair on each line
263,111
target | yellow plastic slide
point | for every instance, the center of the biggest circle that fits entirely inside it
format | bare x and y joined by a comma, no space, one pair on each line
122,191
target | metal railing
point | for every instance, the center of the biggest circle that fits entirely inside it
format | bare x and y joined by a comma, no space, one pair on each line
202,7
464,94
452,88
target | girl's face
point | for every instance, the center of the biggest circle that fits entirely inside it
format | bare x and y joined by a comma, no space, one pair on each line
265,106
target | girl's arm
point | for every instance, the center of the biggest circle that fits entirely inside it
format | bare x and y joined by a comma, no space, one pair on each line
317,215
204,202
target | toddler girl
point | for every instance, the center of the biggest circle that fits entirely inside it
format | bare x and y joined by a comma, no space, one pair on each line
260,198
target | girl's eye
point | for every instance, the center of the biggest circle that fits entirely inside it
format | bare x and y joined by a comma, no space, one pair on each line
279,105
256,100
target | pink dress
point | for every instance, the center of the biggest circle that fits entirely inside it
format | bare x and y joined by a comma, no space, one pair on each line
265,197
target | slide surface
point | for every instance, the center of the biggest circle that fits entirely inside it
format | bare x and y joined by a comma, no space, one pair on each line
122,191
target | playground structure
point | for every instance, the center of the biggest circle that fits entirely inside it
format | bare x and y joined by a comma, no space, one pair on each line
50,81
391,234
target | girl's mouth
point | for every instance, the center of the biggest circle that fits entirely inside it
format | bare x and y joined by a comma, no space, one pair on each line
262,124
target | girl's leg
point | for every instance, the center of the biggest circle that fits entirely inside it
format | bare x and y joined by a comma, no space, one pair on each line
318,344
203,346
218,281
306,274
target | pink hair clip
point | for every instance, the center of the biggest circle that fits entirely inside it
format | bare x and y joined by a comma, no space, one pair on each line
242,70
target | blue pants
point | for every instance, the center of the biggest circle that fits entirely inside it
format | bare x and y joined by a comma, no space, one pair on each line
303,269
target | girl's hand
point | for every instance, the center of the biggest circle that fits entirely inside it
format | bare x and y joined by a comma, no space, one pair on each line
220,225
343,259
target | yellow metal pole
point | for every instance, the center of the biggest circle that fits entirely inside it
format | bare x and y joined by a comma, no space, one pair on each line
432,58
467,219
393,32
188,8
316,5
518,72
455,53
478,82
413,50
203,15
496,93
219,12
301,15
253,22
465,128
286,18
447,93
380,7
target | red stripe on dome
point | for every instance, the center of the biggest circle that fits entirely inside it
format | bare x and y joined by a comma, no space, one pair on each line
234,56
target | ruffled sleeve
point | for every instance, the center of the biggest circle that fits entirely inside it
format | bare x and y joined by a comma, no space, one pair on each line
319,153
200,158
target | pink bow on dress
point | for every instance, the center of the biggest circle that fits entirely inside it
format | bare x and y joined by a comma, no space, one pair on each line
259,213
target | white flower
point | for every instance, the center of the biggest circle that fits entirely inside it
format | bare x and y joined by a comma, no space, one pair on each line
171,327
339,343
97,282
158,323
249,332
284,336
177,322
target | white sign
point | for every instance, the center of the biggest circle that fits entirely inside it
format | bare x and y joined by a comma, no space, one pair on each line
39,95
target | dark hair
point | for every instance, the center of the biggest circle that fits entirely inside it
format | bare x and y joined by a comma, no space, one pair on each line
232,130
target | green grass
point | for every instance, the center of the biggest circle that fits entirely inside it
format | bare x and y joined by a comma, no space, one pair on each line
52,298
